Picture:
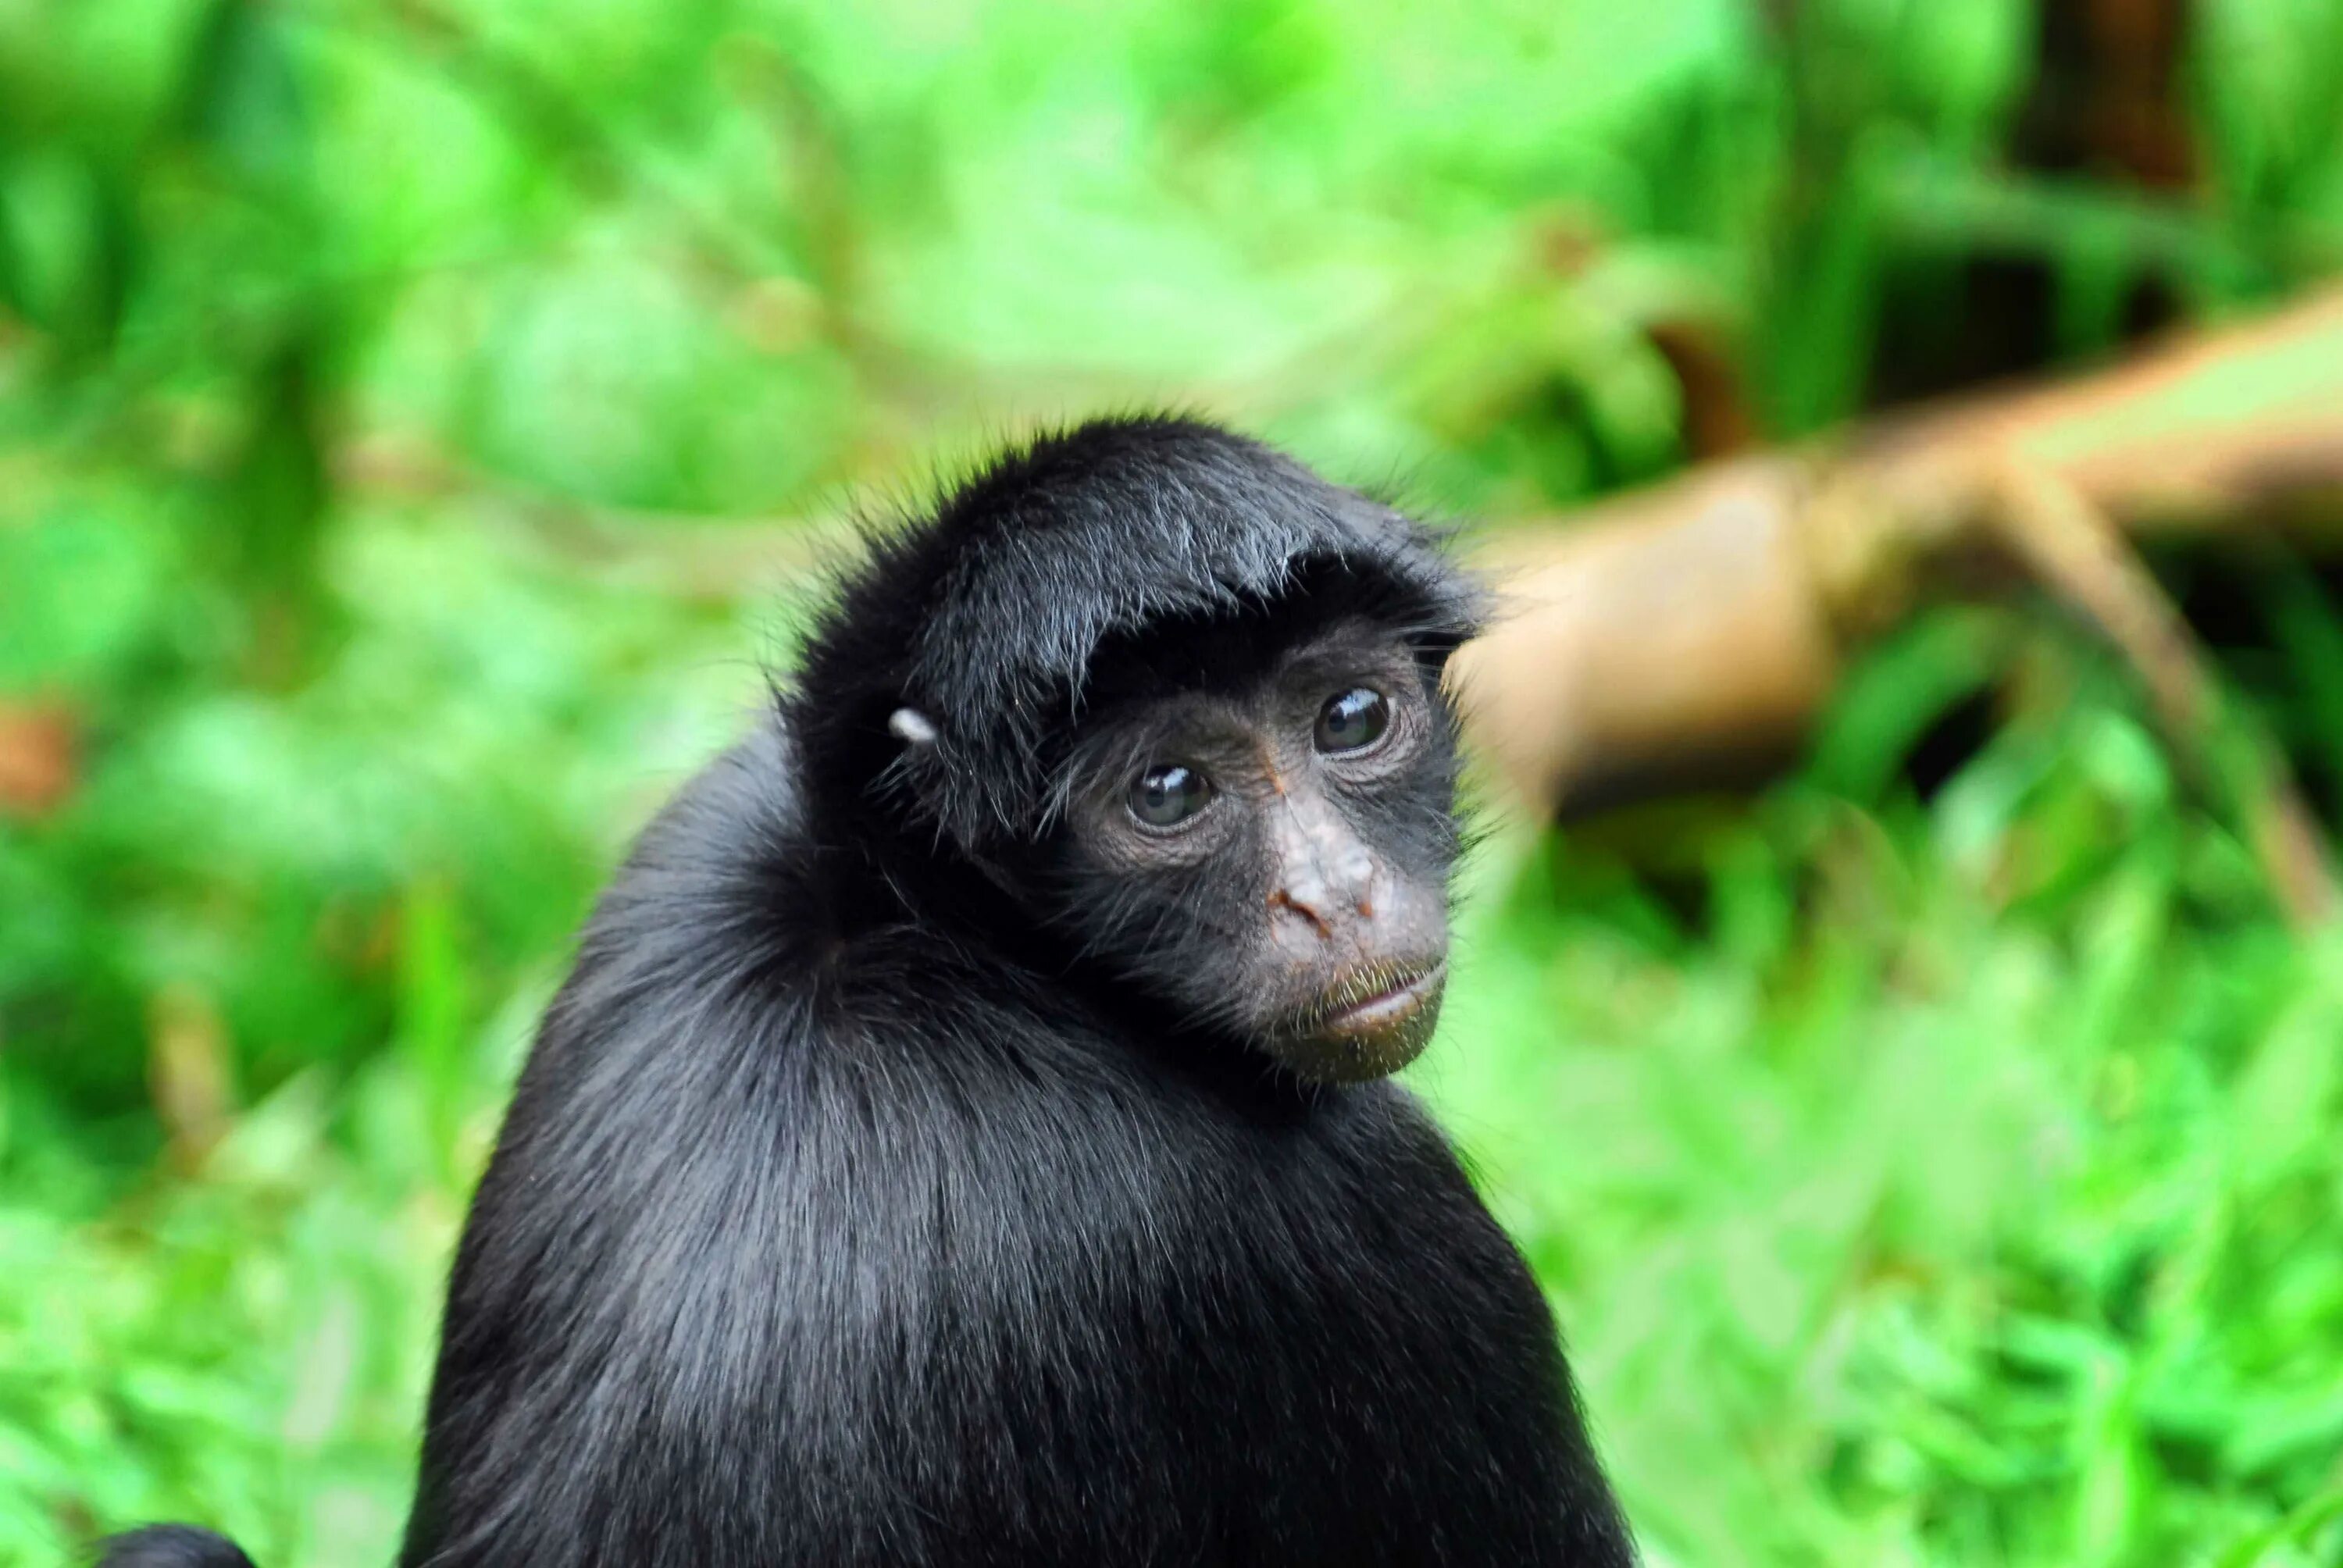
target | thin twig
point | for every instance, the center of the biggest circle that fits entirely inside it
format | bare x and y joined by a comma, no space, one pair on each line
2075,550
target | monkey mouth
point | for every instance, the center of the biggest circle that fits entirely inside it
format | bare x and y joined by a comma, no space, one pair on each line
1379,999
1371,1021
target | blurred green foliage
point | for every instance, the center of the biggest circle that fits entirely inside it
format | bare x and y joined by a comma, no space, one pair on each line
1943,1175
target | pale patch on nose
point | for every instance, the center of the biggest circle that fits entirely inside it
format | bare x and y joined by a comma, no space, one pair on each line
1327,874
1358,874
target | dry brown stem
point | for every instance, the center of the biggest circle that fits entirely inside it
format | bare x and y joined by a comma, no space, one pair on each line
1687,635
2074,551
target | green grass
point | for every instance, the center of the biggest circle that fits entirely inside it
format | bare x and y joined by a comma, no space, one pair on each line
1894,1227
1945,1182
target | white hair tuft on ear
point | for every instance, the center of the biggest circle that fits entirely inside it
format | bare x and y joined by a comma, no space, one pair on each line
912,725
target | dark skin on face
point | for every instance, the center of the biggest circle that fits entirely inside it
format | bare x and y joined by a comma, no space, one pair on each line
1271,855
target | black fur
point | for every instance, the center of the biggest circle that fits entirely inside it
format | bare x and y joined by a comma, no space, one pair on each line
845,1216
172,1547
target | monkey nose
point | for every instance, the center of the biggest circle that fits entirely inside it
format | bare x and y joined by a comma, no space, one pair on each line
1325,875
1324,904
1306,904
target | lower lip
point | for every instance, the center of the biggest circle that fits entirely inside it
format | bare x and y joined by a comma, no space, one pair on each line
1379,1012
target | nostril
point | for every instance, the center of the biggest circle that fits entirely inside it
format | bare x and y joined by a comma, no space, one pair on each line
1303,906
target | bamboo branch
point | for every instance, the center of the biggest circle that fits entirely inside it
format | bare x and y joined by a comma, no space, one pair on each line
1687,636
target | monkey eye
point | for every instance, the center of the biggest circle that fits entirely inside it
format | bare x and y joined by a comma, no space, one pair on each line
1168,795
1352,720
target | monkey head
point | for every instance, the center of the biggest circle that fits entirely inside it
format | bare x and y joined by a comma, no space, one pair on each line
1258,829
1182,699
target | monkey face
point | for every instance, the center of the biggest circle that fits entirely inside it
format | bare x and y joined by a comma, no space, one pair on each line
1263,841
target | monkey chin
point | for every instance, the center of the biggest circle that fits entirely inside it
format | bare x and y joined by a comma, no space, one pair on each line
1369,1037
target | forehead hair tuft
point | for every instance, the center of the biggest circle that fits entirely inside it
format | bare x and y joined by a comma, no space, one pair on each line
983,616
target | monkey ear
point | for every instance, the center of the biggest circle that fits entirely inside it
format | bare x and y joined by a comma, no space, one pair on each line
911,727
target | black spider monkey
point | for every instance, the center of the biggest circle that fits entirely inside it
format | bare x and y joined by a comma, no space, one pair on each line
965,1138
